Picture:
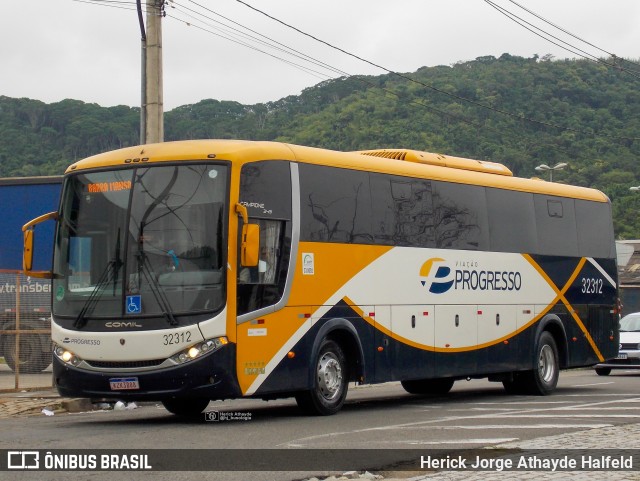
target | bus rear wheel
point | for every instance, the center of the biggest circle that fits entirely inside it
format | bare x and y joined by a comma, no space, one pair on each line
542,380
187,407
433,387
330,382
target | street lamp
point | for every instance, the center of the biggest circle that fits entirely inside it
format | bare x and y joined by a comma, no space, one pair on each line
545,167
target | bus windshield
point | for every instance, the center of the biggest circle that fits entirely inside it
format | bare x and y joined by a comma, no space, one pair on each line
145,241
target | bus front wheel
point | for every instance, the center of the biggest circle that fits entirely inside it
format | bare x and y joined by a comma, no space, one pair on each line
185,406
330,382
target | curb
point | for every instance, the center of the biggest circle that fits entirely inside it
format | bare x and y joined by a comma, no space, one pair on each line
21,404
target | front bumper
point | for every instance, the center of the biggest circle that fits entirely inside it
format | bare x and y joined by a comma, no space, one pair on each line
211,376
626,359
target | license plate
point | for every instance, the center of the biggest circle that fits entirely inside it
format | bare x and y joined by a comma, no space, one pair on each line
124,383
622,355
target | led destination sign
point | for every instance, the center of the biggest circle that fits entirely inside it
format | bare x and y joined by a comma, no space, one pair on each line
115,186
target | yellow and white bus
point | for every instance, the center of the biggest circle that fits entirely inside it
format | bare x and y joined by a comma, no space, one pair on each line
191,271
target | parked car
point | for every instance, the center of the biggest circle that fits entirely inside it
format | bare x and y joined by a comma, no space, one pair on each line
629,354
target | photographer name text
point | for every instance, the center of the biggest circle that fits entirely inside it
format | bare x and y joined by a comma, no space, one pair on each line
528,463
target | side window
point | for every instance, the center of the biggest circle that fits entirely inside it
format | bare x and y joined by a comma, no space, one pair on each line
460,217
265,190
512,221
335,205
595,234
402,211
556,226
270,247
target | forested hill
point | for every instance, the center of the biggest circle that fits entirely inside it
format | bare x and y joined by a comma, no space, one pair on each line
521,112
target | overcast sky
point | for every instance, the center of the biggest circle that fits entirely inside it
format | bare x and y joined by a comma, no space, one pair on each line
57,49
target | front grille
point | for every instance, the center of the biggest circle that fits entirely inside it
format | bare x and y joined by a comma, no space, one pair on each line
125,364
629,346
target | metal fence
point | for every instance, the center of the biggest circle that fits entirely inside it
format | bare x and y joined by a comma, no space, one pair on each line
25,332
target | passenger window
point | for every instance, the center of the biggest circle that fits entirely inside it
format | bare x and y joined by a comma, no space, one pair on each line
512,221
460,218
335,205
556,226
402,211
595,236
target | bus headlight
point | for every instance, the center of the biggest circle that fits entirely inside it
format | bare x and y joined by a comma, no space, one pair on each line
66,356
198,350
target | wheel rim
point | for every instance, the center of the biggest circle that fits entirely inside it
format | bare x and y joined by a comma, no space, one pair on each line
329,376
547,364
24,351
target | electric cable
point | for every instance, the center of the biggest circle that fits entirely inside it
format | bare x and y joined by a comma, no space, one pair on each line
431,87
586,55
613,55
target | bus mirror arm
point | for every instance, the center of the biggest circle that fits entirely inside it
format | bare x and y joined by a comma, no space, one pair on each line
241,210
250,242
27,251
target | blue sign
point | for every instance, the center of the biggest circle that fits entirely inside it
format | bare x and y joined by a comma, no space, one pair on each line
134,304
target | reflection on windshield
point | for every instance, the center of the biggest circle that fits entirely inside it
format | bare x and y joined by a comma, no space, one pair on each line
110,273
143,241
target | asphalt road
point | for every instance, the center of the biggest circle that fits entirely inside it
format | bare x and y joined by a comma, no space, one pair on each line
475,414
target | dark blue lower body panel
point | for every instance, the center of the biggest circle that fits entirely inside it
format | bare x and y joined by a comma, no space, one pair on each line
211,376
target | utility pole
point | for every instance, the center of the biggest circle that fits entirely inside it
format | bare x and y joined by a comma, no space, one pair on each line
143,75
151,113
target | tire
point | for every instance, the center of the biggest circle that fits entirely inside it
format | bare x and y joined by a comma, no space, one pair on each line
543,380
32,359
432,387
187,407
330,382
603,371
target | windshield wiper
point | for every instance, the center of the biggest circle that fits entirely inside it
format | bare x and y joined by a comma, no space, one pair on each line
111,270
143,260
118,264
156,290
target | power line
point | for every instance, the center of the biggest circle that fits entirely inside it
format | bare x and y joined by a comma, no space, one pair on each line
312,59
613,55
251,38
431,87
361,79
320,63
123,5
346,74
520,21
320,75
308,70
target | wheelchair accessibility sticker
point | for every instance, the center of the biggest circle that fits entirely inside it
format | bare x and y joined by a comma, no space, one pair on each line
134,304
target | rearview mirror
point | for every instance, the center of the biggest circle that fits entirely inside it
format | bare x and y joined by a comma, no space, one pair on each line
27,252
28,233
250,246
